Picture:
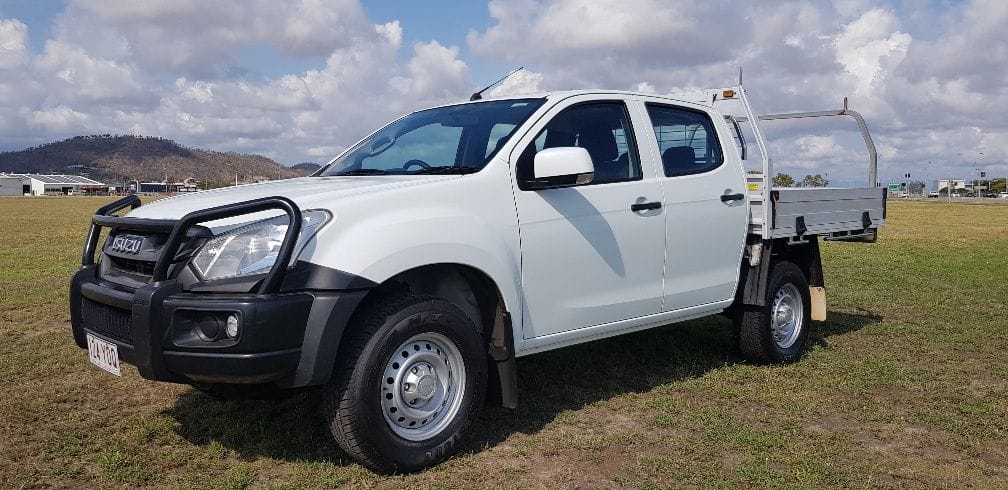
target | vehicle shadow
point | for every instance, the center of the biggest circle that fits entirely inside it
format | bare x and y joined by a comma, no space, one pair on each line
549,384
578,376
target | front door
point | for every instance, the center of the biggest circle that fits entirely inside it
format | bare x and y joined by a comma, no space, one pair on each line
587,257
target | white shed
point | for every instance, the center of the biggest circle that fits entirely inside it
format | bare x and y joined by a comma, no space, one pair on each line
12,185
58,184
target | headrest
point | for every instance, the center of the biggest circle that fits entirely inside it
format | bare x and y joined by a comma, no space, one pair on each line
677,159
556,138
600,142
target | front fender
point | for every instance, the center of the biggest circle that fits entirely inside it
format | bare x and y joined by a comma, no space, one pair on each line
469,221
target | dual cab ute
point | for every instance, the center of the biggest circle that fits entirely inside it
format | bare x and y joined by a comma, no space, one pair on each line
405,277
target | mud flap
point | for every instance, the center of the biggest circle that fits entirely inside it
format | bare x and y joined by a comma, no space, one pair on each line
501,353
818,296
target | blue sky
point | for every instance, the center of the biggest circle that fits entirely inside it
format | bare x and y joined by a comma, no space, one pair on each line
448,22
38,15
301,80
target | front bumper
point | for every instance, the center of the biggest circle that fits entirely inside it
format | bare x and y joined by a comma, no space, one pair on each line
289,339
289,321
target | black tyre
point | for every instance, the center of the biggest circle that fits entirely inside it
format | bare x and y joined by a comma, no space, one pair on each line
410,379
777,332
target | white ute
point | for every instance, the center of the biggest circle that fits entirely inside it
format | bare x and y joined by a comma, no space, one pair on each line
405,277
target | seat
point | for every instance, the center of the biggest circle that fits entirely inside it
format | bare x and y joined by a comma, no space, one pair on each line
600,142
556,138
678,160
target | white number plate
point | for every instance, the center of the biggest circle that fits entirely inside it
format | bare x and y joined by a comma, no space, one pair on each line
103,354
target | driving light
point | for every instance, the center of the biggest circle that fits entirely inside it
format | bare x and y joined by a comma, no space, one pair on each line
208,326
253,248
231,328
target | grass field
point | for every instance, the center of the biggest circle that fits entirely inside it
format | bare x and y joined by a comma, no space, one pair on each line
906,386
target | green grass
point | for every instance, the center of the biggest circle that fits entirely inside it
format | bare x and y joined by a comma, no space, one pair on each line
906,385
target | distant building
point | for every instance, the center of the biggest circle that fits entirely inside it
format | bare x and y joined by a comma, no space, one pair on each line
187,185
153,187
958,185
12,185
49,185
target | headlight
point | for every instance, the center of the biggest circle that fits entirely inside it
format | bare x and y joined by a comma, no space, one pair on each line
253,248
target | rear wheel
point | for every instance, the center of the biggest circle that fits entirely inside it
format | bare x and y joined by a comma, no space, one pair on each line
777,332
413,376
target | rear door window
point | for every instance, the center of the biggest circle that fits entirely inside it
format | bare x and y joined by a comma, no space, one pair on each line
687,140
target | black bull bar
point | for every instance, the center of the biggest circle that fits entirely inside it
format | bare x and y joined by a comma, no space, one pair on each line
178,229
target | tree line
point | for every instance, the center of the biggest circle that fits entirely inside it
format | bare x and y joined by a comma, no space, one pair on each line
785,180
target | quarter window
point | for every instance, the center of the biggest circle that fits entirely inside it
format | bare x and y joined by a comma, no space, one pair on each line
686,139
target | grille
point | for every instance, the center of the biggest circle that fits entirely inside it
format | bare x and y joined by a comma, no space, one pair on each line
132,266
108,321
139,267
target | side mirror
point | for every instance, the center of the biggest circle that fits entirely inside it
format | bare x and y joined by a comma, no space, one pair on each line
562,167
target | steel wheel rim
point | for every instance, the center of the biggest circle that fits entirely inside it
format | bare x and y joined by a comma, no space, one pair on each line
787,316
421,386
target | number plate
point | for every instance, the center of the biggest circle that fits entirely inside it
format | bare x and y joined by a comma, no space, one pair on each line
103,354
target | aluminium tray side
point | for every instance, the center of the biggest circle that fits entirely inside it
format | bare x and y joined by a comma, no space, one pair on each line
825,210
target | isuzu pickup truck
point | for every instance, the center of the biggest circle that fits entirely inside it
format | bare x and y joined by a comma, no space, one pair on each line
405,276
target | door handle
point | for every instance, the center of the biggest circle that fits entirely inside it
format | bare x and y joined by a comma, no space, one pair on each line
732,197
645,206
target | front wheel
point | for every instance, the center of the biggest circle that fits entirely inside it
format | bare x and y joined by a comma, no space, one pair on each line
413,376
777,332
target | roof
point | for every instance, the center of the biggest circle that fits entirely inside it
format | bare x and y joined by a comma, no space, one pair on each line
561,94
701,97
58,179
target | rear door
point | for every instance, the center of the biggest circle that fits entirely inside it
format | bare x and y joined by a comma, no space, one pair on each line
587,258
706,217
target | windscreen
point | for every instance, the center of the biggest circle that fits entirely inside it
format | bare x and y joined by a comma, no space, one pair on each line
447,140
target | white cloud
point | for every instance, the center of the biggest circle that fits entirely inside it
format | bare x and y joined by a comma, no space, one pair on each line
930,82
59,118
162,68
869,47
566,30
523,82
197,38
324,152
645,87
434,70
817,147
77,76
797,56
13,44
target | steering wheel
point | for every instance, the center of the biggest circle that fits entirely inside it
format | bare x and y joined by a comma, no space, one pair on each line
419,163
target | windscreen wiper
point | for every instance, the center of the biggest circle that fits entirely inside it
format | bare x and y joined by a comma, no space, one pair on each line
364,171
446,170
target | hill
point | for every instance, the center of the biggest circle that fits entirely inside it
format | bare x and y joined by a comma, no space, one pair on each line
308,167
115,158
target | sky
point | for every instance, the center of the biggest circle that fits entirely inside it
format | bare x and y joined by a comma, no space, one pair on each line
302,80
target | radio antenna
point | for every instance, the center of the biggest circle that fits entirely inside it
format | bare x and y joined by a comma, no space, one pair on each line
478,96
